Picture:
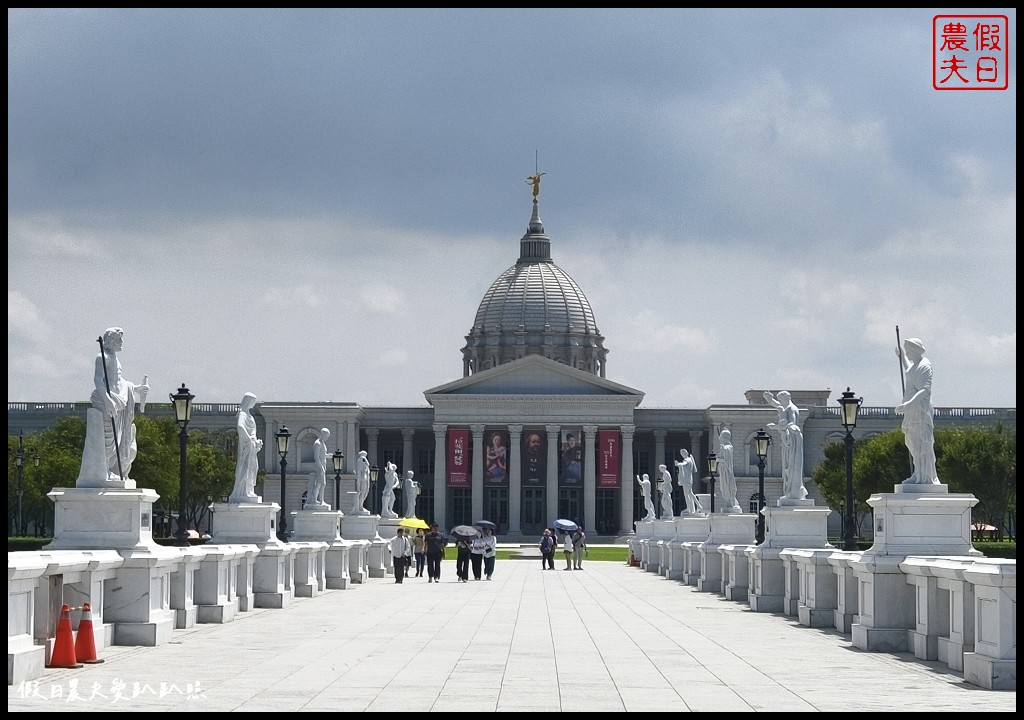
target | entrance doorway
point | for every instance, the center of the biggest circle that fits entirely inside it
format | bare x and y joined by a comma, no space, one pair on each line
496,508
570,504
533,519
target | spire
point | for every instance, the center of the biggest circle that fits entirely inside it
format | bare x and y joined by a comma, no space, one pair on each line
535,245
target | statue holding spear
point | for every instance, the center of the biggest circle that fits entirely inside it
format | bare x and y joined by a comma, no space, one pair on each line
110,446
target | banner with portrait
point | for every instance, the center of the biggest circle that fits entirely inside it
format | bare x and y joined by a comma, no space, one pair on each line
535,458
609,459
570,459
496,458
458,457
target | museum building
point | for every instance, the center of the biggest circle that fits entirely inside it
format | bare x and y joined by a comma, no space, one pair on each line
534,430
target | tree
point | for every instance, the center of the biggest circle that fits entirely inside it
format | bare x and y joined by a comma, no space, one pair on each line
983,462
977,460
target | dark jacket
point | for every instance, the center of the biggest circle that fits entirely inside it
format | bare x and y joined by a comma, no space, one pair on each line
435,543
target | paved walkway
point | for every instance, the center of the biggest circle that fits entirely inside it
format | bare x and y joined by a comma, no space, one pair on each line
607,638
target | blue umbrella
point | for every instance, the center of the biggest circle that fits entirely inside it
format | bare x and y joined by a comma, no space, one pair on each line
565,525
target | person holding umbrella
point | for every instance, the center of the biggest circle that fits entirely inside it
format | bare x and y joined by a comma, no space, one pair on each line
463,548
490,551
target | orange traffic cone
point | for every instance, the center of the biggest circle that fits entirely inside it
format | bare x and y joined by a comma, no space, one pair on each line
85,643
64,646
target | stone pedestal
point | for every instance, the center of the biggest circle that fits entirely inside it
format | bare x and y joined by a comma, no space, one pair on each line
216,583
640,543
735,571
794,525
817,594
325,526
364,527
912,520
689,528
245,523
272,578
993,664
664,531
725,529
108,518
183,584
308,568
137,599
25,659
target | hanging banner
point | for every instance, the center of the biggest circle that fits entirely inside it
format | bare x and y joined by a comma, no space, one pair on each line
609,459
570,470
535,458
496,458
458,457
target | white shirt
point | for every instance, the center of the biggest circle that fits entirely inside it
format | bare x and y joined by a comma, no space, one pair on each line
400,546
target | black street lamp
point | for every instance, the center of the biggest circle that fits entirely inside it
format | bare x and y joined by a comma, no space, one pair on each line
19,462
338,459
182,402
282,437
209,515
713,472
850,406
761,441
374,474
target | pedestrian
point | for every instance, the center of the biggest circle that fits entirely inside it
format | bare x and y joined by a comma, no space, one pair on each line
462,553
547,550
401,553
490,552
435,543
567,549
579,548
419,551
476,556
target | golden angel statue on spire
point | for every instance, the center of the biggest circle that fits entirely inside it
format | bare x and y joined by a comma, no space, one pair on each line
535,181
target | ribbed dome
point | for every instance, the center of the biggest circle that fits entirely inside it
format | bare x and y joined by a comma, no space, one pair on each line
534,308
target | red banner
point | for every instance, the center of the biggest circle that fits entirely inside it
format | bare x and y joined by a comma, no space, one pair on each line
458,457
609,459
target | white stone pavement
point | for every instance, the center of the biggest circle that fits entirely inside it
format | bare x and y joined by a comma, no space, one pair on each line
607,638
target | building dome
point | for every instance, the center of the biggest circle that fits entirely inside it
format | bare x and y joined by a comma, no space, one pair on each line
534,308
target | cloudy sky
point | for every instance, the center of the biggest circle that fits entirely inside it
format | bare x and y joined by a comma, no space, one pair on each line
310,204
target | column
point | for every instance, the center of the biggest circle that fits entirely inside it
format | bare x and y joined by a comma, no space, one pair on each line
628,481
408,463
515,479
351,444
478,472
696,439
551,492
440,474
659,453
590,478
371,455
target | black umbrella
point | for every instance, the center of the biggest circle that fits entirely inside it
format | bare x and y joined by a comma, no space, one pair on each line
464,532
485,525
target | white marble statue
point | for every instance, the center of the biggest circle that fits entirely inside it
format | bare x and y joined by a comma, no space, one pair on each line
665,486
247,462
645,490
362,485
387,495
687,466
792,439
318,478
918,415
110,446
411,490
727,473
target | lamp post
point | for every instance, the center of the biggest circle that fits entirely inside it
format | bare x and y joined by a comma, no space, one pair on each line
374,473
282,437
713,472
338,459
761,441
209,515
182,402
19,462
850,406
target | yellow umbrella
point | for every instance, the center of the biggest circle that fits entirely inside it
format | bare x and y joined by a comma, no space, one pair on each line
413,523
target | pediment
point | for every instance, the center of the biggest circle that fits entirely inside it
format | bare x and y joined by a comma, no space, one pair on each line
533,375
